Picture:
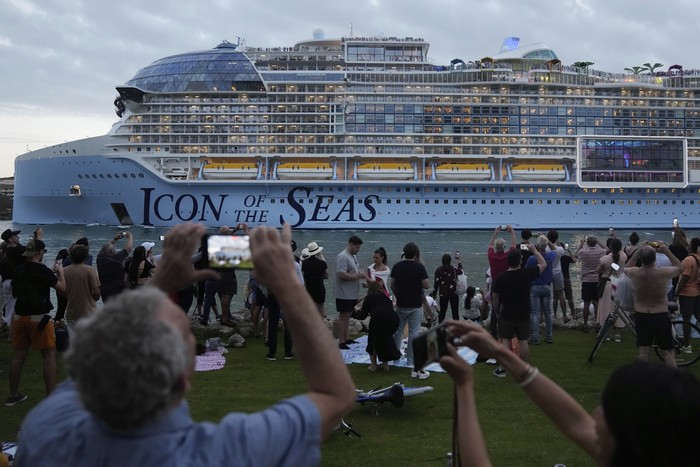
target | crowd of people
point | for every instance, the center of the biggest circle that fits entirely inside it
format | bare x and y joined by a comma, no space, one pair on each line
138,392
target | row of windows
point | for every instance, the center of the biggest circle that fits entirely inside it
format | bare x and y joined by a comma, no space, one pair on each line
502,201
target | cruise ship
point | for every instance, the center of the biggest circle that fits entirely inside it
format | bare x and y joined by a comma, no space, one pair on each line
371,133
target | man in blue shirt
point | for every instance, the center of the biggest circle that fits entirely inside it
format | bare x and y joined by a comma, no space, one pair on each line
132,362
541,292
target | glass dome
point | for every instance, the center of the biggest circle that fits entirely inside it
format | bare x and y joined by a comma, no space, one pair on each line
220,69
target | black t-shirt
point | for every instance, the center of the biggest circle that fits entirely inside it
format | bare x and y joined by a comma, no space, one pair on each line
110,269
408,275
566,261
14,256
513,288
30,285
313,269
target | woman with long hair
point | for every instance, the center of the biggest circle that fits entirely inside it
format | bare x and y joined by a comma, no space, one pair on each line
379,271
138,268
610,265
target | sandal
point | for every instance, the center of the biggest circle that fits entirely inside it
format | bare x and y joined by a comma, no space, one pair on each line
372,368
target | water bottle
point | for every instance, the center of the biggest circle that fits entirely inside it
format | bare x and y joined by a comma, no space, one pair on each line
449,462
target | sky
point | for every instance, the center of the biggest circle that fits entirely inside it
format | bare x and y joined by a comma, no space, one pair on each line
60,60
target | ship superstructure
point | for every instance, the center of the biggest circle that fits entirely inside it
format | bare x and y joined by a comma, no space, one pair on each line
368,132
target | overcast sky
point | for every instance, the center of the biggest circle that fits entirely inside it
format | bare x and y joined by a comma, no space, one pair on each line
61,59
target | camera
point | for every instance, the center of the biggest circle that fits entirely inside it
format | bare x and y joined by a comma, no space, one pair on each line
430,346
675,222
524,247
226,251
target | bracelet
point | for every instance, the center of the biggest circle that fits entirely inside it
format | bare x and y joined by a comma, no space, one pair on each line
530,376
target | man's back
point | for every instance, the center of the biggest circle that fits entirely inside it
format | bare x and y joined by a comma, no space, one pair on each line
650,287
513,289
408,275
80,281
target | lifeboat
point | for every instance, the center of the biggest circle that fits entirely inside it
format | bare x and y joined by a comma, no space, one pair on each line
463,171
385,171
305,171
231,171
551,172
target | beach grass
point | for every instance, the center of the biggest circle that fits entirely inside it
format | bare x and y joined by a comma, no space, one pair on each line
420,432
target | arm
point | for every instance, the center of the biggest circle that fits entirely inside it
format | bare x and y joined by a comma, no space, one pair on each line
541,263
60,285
569,417
129,241
512,236
675,262
330,386
494,235
472,448
175,270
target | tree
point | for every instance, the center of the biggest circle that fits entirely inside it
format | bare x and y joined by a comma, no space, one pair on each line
650,68
635,69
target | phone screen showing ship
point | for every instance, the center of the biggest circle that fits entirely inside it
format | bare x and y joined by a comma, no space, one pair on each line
228,251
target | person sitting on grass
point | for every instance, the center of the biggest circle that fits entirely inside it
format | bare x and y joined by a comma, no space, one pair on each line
649,413
132,363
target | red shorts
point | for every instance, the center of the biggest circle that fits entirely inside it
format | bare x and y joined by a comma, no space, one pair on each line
24,333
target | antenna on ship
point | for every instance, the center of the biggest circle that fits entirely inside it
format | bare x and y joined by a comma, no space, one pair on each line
351,29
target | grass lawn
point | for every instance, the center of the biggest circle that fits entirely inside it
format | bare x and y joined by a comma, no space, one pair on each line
418,433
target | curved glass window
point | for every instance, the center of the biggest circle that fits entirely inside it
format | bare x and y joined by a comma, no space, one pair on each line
219,69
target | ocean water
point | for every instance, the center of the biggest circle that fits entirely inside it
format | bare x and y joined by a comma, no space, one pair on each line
433,244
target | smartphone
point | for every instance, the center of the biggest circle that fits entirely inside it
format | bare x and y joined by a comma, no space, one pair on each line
566,246
504,227
430,346
524,247
653,244
611,231
226,251
615,266
675,222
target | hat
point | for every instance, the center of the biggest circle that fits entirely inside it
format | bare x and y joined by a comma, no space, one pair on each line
313,249
148,246
33,247
9,233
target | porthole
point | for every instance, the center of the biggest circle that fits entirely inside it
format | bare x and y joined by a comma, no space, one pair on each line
109,175
140,175
133,175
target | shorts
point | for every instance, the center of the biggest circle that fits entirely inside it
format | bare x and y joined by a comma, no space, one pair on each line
689,306
520,328
558,282
654,327
24,333
589,291
344,305
229,285
568,292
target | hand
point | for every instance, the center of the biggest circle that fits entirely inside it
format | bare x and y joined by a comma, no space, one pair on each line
475,337
175,270
272,254
458,369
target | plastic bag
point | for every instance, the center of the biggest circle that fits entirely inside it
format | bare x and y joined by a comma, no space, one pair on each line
624,291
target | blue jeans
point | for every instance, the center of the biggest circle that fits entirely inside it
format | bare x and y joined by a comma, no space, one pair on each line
540,301
414,317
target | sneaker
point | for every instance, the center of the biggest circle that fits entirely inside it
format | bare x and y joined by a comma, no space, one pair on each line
534,342
10,401
499,372
272,357
343,346
350,342
549,340
288,356
491,361
684,349
617,338
420,374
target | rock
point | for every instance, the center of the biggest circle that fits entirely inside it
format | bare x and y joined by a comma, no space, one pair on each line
236,341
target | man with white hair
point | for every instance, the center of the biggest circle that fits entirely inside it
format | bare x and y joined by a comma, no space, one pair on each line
498,263
132,363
